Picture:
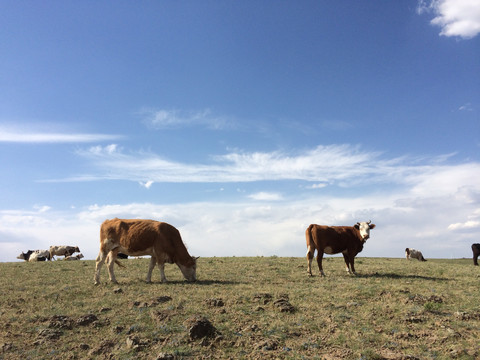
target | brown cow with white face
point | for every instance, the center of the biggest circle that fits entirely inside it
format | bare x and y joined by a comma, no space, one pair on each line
348,240
143,237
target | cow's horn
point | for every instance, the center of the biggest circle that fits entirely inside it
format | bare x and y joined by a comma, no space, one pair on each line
369,222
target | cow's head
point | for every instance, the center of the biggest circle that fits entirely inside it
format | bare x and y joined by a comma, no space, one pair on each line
189,270
364,229
25,256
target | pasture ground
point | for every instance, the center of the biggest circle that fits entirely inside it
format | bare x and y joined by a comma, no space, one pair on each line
242,308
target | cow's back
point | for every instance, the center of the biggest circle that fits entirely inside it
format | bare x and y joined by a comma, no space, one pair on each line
135,236
337,238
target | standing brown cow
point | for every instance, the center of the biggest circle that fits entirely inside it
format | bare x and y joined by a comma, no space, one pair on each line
144,237
348,240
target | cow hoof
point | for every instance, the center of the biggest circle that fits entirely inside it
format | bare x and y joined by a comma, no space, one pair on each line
96,283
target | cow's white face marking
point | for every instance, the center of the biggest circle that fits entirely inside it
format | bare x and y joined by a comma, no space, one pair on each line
364,228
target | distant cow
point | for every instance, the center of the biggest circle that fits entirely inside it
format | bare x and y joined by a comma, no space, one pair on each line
71,257
476,253
414,254
35,255
143,237
63,250
348,240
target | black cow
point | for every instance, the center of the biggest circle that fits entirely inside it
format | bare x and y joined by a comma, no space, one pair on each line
476,253
35,255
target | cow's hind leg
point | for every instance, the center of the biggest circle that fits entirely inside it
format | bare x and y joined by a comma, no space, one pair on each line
102,256
111,264
319,262
310,253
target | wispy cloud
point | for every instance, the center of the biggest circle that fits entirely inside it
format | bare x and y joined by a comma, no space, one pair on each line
167,119
466,107
338,165
456,17
22,135
266,196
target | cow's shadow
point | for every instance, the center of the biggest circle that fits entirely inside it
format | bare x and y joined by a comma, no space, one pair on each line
400,276
198,282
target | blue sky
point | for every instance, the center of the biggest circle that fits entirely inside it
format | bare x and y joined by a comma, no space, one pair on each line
241,122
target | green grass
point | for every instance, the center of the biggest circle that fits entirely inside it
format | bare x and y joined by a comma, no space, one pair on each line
393,309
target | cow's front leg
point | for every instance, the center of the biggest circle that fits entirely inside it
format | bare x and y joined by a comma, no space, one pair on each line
352,264
161,266
319,262
347,261
153,262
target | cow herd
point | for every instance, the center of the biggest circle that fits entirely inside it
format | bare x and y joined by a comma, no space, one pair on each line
120,238
43,255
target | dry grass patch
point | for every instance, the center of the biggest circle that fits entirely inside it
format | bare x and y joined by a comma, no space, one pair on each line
251,308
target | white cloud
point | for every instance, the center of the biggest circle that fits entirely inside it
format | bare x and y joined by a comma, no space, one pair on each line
21,135
466,225
147,184
317,186
266,196
340,163
456,17
164,119
466,107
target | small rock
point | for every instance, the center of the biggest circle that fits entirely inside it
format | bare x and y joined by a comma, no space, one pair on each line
86,320
104,348
201,327
5,347
118,329
84,346
267,345
165,356
60,322
215,302
49,334
284,305
264,298
118,290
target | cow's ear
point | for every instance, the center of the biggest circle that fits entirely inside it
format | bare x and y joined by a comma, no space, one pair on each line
372,226
357,226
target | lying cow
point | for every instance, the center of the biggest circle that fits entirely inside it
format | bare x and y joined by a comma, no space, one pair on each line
71,257
476,253
348,240
35,255
414,254
143,237
63,250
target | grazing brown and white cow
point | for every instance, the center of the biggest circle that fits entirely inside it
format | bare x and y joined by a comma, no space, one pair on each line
144,237
63,250
348,240
35,255
76,257
414,254
476,253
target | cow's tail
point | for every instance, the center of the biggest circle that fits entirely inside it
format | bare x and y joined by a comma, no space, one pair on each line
119,263
109,259
310,241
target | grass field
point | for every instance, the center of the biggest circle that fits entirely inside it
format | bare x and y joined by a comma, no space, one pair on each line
251,308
